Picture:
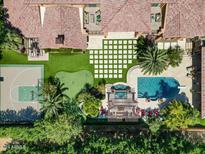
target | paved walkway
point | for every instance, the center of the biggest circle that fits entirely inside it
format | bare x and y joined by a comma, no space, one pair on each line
115,56
179,73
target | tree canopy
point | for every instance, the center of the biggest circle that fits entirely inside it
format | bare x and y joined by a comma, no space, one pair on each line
153,61
10,36
179,115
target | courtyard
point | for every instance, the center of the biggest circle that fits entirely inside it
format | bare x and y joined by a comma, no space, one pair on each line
177,73
115,56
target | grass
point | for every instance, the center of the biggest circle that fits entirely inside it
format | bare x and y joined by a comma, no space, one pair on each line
75,81
59,62
201,122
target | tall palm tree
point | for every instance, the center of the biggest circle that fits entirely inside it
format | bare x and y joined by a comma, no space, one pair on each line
51,106
153,61
60,88
54,96
55,87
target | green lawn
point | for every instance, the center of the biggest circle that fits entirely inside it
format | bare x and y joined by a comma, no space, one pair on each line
201,122
75,81
59,62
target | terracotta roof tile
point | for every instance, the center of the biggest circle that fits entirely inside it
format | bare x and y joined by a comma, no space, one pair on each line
203,83
125,16
27,19
186,18
57,20
61,1
65,21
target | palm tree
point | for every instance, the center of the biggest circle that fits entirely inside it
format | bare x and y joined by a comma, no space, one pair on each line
153,61
55,87
53,94
175,56
143,43
72,107
51,106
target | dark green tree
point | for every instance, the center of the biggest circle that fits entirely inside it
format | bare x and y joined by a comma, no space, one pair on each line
53,98
90,104
175,56
143,43
153,61
179,115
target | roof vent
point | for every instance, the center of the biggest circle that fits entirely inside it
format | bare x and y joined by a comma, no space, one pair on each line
60,39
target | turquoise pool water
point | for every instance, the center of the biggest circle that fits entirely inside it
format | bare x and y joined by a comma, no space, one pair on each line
120,87
120,95
157,87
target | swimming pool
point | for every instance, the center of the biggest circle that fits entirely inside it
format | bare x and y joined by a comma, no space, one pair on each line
157,87
120,95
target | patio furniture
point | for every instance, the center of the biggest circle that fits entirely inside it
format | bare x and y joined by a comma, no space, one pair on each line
182,87
86,17
98,17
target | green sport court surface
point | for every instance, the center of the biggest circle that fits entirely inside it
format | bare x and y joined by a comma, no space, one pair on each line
20,86
28,93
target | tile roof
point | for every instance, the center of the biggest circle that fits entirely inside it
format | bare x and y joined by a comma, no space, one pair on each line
61,1
186,18
125,16
62,20
23,17
163,1
57,20
203,83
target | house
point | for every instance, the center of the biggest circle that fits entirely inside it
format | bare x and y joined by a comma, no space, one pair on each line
70,23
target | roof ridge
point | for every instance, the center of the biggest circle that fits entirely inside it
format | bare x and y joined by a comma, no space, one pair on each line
122,6
141,15
20,13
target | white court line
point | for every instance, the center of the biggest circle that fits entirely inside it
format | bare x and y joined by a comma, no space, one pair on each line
13,81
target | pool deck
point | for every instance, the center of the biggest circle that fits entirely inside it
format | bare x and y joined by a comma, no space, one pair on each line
179,73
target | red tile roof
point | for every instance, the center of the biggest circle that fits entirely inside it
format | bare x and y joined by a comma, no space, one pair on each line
186,18
62,1
125,16
57,20
203,83
23,17
62,20
163,1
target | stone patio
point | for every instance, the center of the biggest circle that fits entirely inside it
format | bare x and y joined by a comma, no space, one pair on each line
179,73
115,56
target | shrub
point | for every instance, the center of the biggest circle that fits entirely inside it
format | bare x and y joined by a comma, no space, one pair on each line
178,115
90,104
175,56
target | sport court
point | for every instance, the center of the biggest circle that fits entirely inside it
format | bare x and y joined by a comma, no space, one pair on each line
20,86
